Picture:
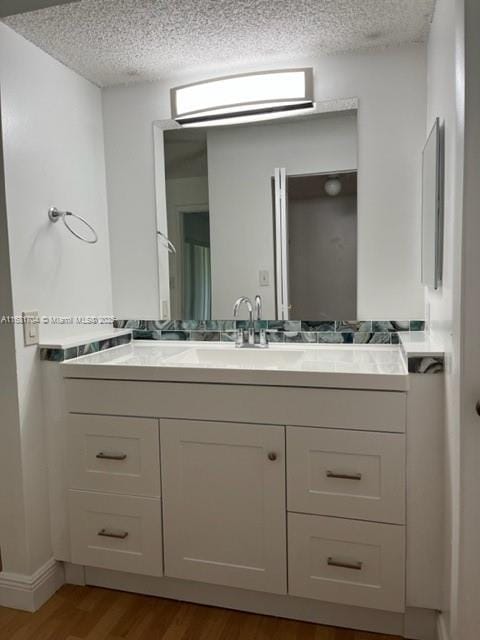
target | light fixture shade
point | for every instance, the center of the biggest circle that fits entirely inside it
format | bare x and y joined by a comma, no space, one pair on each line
333,186
244,97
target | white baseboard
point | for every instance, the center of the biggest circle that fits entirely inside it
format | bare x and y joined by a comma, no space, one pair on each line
29,592
420,624
442,631
74,574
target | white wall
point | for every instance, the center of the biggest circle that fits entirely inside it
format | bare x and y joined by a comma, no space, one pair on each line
53,151
241,163
454,95
12,514
391,89
445,100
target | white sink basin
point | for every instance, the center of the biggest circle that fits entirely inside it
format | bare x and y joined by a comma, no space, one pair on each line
228,358
303,365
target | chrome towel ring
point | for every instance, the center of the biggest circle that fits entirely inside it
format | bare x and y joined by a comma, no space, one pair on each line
168,244
54,215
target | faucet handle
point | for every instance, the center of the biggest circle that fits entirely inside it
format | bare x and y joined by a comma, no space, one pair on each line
263,342
258,307
239,337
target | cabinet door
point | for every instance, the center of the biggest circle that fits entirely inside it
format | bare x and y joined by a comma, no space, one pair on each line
224,503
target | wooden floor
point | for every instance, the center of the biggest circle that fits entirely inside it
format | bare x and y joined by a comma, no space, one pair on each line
100,614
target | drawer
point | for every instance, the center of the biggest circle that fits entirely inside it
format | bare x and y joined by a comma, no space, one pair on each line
116,532
351,474
347,561
113,454
334,408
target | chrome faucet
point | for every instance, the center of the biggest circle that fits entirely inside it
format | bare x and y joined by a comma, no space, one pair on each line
244,339
247,338
258,313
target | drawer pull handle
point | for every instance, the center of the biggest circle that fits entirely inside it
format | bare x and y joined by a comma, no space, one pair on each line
111,456
106,533
344,476
357,566
272,456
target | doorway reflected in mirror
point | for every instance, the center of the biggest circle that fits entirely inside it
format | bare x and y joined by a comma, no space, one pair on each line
186,183
322,246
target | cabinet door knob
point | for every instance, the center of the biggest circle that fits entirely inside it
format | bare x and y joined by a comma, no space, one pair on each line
272,456
477,407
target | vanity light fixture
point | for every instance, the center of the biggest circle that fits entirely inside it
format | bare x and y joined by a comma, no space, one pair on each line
243,98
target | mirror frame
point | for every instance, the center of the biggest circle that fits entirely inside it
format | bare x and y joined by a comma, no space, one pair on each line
434,280
159,126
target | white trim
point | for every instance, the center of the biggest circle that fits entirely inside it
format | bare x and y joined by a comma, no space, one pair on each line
281,243
74,574
161,223
442,631
420,624
278,246
30,592
284,242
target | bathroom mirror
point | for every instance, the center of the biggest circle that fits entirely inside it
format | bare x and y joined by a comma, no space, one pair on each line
265,208
432,208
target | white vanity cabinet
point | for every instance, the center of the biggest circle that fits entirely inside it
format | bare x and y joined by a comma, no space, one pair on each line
296,495
224,503
279,491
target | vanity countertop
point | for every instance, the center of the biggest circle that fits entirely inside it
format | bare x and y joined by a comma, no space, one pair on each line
93,335
381,367
421,344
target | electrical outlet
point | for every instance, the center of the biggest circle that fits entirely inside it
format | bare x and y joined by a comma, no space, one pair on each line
31,325
263,278
427,317
164,310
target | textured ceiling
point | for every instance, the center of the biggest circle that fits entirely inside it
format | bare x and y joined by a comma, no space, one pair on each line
116,41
